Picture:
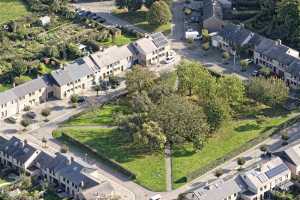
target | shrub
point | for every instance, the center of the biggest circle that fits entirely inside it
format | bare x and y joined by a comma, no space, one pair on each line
27,108
205,46
225,55
219,172
25,123
260,119
74,99
64,148
263,148
241,161
45,113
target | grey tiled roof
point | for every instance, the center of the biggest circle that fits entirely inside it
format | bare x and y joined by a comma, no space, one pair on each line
74,71
218,190
43,159
24,89
235,33
72,172
18,149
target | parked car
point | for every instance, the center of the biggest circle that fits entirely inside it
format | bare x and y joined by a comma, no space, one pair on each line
100,20
12,120
169,60
31,115
81,99
156,197
255,73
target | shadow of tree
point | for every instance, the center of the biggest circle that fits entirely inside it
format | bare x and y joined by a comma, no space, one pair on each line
247,127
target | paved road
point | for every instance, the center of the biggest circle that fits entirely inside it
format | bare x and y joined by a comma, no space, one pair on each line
104,9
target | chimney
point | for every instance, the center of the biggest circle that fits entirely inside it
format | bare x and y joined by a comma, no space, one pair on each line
25,142
72,159
68,161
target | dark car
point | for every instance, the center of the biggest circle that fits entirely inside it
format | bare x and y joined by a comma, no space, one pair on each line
11,120
100,20
255,73
30,115
81,99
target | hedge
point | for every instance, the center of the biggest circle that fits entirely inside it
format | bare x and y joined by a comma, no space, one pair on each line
245,147
97,154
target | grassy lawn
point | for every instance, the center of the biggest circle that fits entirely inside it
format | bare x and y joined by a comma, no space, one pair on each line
97,117
139,19
120,40
149,168
235,134
4,87
2,181
11,10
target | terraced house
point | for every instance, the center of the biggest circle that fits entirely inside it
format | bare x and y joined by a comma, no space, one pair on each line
282,60
82,74
69,176
254,184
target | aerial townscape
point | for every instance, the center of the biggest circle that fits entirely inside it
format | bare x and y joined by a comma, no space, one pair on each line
150,99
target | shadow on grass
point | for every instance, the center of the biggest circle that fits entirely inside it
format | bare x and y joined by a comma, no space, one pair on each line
113,143
247,127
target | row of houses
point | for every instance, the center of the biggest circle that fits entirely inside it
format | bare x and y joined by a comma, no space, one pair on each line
84,73
281,59
257,183
64,173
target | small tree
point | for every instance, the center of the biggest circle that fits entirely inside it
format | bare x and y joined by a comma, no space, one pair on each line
241,161
225,55
205,46
285,138
244,64
263,148
159,13
45,113
25,123
44,142
219,172
64,148
97,88
74,100
266,71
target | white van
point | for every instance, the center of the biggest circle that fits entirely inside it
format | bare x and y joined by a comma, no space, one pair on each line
156,197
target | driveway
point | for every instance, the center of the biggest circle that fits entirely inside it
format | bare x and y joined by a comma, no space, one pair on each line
104,9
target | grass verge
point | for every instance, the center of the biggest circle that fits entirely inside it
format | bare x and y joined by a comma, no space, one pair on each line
115,145
233,136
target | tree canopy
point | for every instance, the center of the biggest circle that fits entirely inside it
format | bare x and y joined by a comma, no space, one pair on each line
159,13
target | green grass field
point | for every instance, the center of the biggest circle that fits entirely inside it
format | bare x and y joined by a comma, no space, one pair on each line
139,19
115,145
234,135
11,10
4,87
99,116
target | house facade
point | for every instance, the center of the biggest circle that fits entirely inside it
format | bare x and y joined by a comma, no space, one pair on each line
82,74
31,93
282,60
58,170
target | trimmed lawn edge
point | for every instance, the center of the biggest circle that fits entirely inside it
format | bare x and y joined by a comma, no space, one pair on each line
266,134
111,163
103,158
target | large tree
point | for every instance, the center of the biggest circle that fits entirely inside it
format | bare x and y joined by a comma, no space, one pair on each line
270,91
134,5
139,79
181,121
159,13
190,74
232,89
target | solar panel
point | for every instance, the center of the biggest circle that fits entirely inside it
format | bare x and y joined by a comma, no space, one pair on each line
277,170
159,39
262,178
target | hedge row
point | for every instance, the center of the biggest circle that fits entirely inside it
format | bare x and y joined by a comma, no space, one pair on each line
94,152
247,146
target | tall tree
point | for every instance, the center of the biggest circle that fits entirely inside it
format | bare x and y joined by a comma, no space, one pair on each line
121,4
139,79
269,91
181,121
159,13
232,89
